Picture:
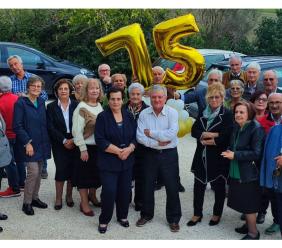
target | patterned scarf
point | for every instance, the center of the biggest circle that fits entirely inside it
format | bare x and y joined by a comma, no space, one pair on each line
135,109
210,115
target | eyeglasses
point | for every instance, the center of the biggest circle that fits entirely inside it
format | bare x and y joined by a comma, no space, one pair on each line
261,99
103,70
237,89
274,103
35,86
214,97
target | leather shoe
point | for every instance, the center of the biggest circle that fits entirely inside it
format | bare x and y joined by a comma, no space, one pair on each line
58,207
242,230
102,229
174,227
39,204
123,223
70,204
181,188
249,237
90,213
27,209
193,223
1,229
142,221
3,217
260,218
214,222
95,203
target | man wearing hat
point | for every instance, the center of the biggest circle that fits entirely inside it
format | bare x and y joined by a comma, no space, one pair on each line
7,101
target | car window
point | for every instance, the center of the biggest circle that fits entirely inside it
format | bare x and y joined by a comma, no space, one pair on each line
27,57
210,59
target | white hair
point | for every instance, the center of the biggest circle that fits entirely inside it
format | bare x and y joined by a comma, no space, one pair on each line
136,86
15,57
235,56
254,65
217,72
158,68
157,87
274,72
104,65
78,77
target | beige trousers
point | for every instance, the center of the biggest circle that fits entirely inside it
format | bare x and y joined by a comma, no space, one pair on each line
32,182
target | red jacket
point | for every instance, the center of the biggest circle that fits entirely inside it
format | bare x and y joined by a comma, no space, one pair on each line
266,122
7,102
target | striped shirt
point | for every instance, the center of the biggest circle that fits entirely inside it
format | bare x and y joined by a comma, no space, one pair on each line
19,85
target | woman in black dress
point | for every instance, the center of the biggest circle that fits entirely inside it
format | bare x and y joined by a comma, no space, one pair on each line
59,121
245,154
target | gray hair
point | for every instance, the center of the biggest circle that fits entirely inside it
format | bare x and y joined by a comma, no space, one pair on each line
136,86
158,87
79,77
34,78
5,84
103,65
158,68
235,56
237,82
275,94
15,57
254,65
274,72
217,72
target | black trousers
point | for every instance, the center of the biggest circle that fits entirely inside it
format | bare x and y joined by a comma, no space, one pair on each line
268,195
165,162
218,187
116,188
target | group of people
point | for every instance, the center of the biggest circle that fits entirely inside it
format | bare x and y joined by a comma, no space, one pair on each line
105,134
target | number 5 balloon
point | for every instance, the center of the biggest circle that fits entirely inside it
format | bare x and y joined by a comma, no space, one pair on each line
166,36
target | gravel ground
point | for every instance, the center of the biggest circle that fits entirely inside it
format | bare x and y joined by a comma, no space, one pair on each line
70,224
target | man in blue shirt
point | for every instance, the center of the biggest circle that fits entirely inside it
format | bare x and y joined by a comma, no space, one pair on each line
19,82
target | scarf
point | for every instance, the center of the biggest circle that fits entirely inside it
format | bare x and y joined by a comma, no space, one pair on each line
210,115
135,109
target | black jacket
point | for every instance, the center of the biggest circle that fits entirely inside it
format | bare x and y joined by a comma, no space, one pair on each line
248,150
213,165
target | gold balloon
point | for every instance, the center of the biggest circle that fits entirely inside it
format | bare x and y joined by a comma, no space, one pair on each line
166,36
181,130
189,124
131,38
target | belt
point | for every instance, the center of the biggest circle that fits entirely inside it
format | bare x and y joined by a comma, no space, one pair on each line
159,151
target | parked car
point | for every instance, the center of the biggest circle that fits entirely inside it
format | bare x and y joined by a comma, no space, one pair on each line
50,69
266,63
211,56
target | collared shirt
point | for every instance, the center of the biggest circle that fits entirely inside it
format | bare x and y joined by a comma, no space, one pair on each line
19,85
163,127
65,114
277,122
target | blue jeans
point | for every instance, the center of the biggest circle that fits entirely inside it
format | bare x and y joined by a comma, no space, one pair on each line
12,170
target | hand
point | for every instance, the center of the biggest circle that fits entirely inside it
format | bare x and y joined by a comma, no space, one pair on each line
228,154
125,153
208,142
147,132
29,150
84,156
163,143
209,135
69,144
278,161
107,79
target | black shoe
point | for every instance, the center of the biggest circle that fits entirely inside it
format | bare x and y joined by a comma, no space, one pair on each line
214,222
3,217
249,237
38,204
27,208
181,188
242,230
58,207
158,186
102,229
260,218
123,223
70,204
1,229
243,217
193,223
